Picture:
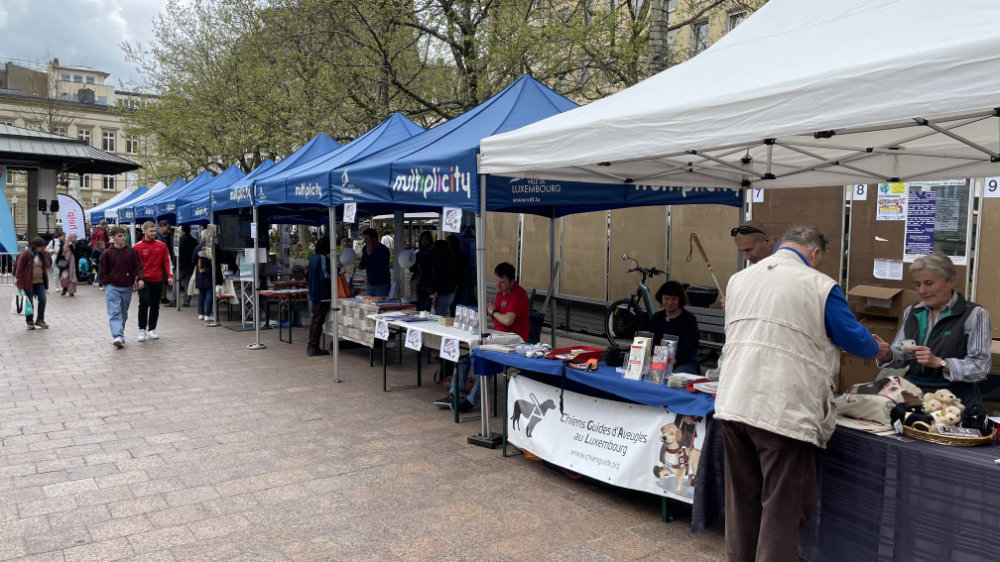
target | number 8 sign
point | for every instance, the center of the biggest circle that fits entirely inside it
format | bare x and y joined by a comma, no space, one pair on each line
860,192
991,187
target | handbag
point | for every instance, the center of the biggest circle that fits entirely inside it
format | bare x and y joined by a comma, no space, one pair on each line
28,309
61,263
17,304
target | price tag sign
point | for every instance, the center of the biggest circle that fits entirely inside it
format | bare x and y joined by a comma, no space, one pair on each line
859,192
253,230
414,339
451,219
757,195
449,349
991,187
381,329
350,210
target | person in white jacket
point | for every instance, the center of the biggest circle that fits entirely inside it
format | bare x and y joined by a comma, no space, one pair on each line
55,249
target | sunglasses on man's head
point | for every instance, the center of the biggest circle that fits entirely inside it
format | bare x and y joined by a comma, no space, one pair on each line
744,229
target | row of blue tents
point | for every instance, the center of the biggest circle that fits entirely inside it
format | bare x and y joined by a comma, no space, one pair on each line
399,166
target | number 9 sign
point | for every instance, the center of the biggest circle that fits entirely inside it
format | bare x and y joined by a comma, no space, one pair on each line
991,187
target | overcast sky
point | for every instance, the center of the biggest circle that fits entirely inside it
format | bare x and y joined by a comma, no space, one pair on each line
77,32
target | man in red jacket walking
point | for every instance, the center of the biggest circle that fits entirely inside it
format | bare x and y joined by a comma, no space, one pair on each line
156,264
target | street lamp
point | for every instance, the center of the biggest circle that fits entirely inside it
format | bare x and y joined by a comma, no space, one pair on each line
94,198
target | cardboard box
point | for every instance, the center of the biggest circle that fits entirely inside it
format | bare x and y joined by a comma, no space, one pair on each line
854,370
885,302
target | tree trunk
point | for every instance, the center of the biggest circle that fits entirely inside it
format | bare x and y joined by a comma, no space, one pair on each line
659,48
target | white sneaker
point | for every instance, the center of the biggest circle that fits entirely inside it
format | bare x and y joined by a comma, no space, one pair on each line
201,317
119,343
153,335
141,336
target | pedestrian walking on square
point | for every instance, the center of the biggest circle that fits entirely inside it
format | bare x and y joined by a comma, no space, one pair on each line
320,293
55,248
67,277
186,262
118,271
202,263
156,264
32,276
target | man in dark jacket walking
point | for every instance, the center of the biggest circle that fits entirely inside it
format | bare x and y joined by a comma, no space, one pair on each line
32,275
320,294
120,268
185,262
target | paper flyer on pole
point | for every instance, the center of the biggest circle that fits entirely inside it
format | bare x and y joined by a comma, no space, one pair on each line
625,444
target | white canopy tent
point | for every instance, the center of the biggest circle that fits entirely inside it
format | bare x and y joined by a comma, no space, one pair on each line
803,93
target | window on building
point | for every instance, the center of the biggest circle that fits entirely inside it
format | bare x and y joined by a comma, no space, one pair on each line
132,180
109,183
59,130
84,181
84,135
734,19
108,142
699,37
33,126
64,76
90,79
671,5
131,144
78,78
9,122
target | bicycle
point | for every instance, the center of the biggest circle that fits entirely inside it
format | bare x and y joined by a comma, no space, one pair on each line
625,317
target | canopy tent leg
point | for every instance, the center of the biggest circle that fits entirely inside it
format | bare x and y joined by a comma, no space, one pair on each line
256,288
553,272
334,301
486,438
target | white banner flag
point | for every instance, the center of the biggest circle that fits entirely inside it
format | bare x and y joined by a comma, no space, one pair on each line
628,445
72,217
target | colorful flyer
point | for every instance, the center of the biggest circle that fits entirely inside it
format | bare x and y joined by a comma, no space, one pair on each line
350,210
381,329
451,219
891,202
414,339
450,349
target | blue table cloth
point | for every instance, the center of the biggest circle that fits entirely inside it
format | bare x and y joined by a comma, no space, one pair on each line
605,379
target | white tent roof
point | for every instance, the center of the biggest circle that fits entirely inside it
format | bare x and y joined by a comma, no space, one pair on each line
118,197
160,186
850,91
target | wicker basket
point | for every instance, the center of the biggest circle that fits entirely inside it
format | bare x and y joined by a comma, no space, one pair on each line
948,439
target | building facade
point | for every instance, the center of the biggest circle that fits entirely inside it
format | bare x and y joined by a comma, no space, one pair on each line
70,101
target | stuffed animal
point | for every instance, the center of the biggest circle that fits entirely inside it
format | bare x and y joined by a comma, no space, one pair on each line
931,403
946,398
949,416
911,416
975,417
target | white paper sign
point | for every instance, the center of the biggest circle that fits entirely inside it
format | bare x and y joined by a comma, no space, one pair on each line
253,230
628,445
450,349
991,187
451,219
888,269
414,339
350,210
381,329
757,196
859,192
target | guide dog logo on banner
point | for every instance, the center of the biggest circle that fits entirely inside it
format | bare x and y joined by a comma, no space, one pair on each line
629,445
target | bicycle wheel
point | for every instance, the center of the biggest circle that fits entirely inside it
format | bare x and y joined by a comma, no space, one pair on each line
621,321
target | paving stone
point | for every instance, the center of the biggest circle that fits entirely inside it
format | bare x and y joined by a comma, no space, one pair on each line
113,549
121,527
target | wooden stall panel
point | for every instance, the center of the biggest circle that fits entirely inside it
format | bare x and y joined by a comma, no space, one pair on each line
584,247
874,239
640,232
712,224
535,261
501,241
822,207
988,279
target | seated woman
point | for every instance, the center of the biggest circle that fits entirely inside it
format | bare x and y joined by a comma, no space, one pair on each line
952,335
673,320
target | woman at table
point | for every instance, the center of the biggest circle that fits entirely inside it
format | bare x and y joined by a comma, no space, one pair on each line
952,335
673,320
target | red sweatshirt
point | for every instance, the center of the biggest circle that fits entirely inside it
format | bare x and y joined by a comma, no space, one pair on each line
155,260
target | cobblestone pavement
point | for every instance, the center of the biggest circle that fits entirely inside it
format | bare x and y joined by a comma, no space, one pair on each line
194,448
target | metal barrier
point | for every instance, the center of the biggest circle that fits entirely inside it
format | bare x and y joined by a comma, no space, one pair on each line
7,269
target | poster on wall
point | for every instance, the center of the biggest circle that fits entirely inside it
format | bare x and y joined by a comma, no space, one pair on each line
628,445
891,202
937,219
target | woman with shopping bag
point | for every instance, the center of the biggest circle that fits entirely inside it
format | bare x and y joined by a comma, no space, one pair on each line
32,275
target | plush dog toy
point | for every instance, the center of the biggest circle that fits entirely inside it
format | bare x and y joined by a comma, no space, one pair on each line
911,416
931,404
949,415
946,398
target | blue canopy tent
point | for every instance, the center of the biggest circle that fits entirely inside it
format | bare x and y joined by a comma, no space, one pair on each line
146,209
96,214
166,207
198,211
125,214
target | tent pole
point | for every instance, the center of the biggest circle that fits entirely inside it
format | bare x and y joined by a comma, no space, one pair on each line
334,287
177,272
211,244
552,278
256,293
487,438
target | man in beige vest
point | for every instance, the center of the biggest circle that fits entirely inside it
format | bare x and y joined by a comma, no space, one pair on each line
785,325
